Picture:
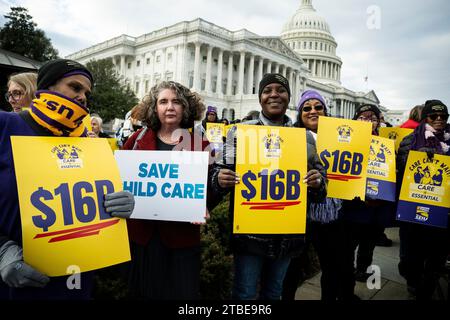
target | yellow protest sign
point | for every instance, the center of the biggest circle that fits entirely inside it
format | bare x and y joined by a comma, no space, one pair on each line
227,128
395,133
381,178
343,148
271,197
87,122
215,132
425,192
113,144
61,184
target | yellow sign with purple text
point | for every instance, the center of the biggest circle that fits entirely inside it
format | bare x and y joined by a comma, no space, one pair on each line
425,193
61,184
215,132
395,133
381,177
271,195
343,147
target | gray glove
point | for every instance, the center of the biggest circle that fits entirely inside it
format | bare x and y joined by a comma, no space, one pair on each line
15,272
119,204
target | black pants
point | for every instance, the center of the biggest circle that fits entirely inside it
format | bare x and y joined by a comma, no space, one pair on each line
332,246
424,253
295,275
161,273
364,238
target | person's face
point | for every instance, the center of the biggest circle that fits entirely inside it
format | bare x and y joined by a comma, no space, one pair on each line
437,120
169,108
95,126
211,117
76,87
274,101
311,111
369,116
17,97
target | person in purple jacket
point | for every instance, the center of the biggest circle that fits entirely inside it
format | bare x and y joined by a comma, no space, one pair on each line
69,83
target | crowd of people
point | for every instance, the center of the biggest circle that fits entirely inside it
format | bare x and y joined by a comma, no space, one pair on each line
166,256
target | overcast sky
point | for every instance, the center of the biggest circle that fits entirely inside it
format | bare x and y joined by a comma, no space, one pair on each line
407,58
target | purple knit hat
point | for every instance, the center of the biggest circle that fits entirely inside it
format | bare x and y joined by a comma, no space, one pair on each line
308,95
211,109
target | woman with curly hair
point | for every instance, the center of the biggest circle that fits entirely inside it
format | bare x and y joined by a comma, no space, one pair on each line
165,260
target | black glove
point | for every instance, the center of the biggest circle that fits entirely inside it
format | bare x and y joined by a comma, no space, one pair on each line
15,272
119,204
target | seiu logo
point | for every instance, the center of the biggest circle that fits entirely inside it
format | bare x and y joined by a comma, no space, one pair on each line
61,109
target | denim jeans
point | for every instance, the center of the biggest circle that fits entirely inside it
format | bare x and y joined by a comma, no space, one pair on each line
249,269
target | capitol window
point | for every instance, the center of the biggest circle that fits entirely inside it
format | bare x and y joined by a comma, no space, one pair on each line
138,63
148,61
169,57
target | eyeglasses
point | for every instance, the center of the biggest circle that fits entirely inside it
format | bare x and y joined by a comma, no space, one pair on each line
16,95
368,119
317,108
434,116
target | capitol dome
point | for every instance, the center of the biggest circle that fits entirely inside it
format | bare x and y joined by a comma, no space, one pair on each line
308,34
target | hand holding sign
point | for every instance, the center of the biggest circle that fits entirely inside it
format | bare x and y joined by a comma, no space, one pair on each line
119,204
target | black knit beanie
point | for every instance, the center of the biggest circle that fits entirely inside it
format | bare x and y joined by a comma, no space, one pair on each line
367,107
53,70
273,78
433,106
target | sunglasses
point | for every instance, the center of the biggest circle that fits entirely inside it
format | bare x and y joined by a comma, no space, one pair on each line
317,108
434,116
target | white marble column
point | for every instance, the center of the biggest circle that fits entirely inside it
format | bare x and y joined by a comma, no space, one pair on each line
219,73
230,74
164,60
250,76
240,89
269,67
297,87
284,70
290,75
320,68
122,65
196,84
152,70
208,70
314,68
142,89
277,67
260,72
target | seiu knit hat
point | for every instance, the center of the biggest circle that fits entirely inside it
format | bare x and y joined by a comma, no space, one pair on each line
273,78
433,106
54,70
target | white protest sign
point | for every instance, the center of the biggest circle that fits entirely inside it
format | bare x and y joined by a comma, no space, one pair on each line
168,186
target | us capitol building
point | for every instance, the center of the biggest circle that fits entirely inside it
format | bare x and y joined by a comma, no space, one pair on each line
225,66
